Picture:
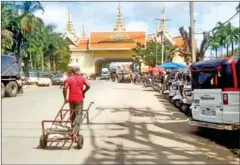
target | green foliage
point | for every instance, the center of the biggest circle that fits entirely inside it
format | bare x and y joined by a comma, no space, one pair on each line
235,52
224,36
23,33
152,50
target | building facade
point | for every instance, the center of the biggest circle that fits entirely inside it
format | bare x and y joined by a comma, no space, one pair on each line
90,52
113,46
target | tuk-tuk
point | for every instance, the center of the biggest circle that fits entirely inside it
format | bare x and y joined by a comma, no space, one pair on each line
216,93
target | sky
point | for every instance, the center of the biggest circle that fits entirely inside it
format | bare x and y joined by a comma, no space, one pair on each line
137,16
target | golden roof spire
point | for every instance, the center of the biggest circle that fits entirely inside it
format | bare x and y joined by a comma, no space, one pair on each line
163,26
119,22
163,14
69,26
83,32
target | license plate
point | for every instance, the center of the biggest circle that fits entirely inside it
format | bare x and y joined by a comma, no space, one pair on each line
209,112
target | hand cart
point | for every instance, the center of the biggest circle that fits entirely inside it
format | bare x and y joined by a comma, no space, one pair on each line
61,130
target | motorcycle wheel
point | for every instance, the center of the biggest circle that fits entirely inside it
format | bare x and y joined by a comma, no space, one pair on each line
189,114
145,84
184,108
177,103
166,96
170,99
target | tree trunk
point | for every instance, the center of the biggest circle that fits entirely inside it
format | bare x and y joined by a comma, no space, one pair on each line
227,49
216,52
48,62
232,48
54,63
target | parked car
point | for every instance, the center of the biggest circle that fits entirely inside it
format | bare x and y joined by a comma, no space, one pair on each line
58,79
44,79
32,77
105,74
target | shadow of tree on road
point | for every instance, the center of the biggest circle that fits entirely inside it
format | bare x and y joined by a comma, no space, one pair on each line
152,141
228,139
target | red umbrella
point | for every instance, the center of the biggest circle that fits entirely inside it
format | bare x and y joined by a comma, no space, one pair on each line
156,69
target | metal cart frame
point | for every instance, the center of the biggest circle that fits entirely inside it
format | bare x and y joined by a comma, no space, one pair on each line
63,123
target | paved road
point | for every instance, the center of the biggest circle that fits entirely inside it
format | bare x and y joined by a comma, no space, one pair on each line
129,124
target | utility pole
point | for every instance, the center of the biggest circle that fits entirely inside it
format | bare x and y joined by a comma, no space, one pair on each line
162,47
156,54
163,20
193,45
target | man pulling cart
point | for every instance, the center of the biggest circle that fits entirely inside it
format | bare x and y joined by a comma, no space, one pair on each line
74,85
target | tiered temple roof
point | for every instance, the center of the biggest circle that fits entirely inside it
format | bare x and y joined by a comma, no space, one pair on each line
118,39
163,28
119,22
125,40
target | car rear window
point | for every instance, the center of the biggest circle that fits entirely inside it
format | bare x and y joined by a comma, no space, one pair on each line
44,76
59,75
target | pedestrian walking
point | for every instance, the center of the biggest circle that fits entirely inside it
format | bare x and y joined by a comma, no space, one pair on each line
65,76
74,85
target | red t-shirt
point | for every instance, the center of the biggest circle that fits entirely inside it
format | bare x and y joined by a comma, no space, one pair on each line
76,84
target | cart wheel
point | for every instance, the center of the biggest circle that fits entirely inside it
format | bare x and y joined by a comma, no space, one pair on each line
80,142
43,142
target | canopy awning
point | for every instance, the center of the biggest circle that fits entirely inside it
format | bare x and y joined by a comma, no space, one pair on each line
156,69
172,65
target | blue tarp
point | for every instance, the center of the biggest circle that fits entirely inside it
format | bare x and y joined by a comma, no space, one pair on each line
172,65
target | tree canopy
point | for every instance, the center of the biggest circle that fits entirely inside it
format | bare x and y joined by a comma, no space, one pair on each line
152,52
27,36
224,36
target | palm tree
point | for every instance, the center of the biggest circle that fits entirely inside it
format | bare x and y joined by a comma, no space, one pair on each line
231,37
27,21
9,13
213,43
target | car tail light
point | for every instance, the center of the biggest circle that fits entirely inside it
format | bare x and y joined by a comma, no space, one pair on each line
225,98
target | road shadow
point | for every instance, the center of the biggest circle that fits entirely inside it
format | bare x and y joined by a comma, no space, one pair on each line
153,142
217,136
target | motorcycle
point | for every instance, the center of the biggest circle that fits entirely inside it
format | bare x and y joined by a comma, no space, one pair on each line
186,102
147,81
174,91
113,77
166,88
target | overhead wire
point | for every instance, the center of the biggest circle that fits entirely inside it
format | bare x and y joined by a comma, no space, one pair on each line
222,23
